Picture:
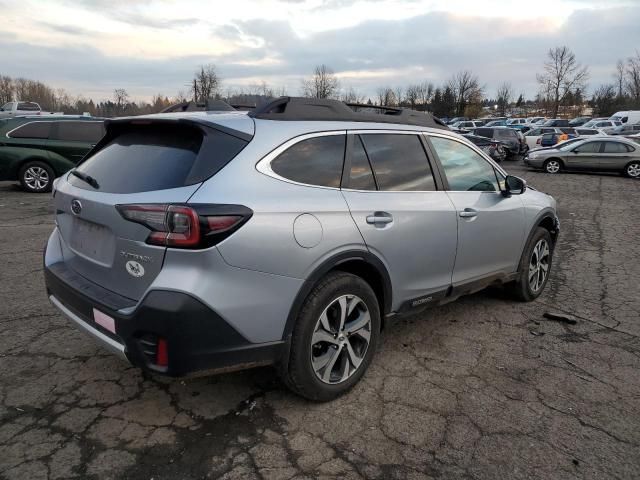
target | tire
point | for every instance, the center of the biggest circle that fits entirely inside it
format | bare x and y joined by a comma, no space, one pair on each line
523,288
36,176
326,362
632,170
553,166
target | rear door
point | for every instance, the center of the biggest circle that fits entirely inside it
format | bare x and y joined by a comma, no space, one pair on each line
137,165
490,225
73,139
401,213
614,156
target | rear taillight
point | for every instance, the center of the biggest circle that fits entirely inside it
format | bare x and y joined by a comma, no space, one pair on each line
182,226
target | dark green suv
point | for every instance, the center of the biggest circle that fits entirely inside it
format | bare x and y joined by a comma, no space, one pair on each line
35,150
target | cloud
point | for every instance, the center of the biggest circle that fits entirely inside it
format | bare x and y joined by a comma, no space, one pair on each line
432,46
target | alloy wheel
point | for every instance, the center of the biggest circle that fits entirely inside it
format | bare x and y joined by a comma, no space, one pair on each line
633,170
539,265
340,339
553,166
36,178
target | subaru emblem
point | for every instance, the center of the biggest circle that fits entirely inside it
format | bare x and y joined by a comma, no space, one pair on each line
76,206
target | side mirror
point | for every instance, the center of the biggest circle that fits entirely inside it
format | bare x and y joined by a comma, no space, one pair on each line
514,186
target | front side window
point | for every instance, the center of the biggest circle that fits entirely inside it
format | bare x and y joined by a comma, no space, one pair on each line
37,130
314,161
465,169
399,162
589,147
7,106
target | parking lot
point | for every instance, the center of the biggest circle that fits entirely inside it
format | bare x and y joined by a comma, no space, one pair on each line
481,388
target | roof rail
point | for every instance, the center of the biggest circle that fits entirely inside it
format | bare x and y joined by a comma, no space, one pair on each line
211,105
315,109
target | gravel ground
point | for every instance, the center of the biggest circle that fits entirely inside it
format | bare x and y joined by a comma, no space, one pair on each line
481,388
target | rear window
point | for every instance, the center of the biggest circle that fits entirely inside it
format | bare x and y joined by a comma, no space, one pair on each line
158,157
38,130
89,132
315,161
505,133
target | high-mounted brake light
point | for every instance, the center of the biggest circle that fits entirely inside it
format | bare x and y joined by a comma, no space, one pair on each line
181,226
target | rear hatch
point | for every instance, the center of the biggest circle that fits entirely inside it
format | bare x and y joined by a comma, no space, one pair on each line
154,163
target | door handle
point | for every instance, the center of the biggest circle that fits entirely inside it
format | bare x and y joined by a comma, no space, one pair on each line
379,218
468,213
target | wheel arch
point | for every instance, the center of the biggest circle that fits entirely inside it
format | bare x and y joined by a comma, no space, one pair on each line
17,166
548,220
360,263
624,170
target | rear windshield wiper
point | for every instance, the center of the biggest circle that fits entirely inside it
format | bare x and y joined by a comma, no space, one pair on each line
85,178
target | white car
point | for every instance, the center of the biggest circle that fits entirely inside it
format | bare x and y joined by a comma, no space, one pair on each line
465,124
533,136
630,116
606,125
512,122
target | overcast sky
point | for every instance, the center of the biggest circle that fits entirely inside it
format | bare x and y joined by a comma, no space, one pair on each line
91,47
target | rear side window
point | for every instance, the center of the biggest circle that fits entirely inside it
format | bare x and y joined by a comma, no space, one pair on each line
485,132
315,161
399,162
38,130
157,157
28,107
89,132
506,133
360,176
615,147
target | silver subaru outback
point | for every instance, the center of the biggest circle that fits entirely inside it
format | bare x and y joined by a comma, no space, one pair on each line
291,235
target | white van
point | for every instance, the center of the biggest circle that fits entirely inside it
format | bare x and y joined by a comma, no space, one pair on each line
629,116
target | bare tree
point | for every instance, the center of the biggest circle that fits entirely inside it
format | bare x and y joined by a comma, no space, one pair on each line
619,76
398,93
6,89
562,74
205,83
352,96
633,78
121,99
466,89
386,97
412,95
323,83
604,100
503,97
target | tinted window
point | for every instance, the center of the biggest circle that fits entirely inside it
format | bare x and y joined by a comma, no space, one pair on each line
505,133
589,147
315,161
89,132
32,130
534,133
360,176
485,132
587,131
155,157
399,162
28,106
615,147
464,168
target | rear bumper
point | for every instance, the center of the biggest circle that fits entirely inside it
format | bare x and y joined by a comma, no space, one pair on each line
197,338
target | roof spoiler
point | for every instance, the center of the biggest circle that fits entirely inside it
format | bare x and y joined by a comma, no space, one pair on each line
317,109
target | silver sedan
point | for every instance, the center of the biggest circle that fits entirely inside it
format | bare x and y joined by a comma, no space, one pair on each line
604,154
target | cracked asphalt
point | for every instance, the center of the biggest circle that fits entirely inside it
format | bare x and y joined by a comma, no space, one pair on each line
484,388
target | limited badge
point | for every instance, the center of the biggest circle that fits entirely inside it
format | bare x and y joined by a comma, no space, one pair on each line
134,269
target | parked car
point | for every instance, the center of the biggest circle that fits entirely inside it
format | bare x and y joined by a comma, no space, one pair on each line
550,139
556,122
234,240
513,143
579,121
496,123
533,137
625,129
456,119
606,154
491,147
630,116
36,150
15,109
512,122
465,125
584,132
606,125
535,120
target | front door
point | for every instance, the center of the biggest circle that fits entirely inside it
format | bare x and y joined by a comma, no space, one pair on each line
402,215
584,157
490,226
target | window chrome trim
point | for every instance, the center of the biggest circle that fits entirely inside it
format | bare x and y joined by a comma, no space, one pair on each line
24,125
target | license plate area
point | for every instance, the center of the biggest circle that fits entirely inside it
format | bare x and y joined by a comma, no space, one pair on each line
93,241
